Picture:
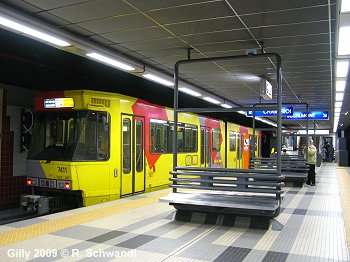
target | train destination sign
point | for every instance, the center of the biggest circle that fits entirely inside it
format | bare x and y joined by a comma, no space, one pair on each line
313,115
286,111
59,102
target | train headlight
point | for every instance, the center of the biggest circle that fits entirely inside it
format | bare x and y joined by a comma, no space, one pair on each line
64,184
31,181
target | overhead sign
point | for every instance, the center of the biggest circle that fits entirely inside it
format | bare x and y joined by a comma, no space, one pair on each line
286,111
313,115
265,89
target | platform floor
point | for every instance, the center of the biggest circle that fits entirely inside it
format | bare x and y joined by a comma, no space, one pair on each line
312,226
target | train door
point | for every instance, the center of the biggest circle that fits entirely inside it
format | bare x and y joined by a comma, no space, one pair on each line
239,150
232,157
132,152
205,147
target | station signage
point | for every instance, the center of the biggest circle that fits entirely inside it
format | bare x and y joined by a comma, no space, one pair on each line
286,111
313,115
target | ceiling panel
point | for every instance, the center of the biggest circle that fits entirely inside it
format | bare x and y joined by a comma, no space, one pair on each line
136,35
52,4
92,10
117,23
205,10
258,6
164,4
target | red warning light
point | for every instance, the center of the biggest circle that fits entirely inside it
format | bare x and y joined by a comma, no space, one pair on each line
66,185
29,182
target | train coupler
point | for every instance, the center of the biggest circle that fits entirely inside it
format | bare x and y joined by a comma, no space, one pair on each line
38,204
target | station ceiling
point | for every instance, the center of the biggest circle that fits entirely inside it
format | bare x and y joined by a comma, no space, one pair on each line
158,33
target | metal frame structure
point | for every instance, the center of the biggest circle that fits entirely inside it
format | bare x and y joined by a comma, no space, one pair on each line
178,110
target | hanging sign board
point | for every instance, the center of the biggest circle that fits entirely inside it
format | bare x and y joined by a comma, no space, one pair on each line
313,115
286,111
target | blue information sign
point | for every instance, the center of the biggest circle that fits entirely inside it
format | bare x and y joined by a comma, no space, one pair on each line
286,111
313,115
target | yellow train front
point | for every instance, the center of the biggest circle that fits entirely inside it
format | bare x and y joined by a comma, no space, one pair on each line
90,147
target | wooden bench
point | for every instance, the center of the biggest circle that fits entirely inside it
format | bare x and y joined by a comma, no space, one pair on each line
226,191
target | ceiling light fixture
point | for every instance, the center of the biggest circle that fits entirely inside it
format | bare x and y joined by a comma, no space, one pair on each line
32,32
338,104
110,61
211,100
340,85
342,68
345,6
337,110
343,41
158,79
189,91
226,106
339,96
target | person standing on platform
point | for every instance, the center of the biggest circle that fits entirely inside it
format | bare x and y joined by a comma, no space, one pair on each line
311,178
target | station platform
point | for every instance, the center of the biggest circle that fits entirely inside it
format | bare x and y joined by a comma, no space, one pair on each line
314,225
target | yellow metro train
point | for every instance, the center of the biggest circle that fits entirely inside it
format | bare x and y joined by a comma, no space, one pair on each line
90,147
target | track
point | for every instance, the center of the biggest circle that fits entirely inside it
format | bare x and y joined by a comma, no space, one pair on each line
16,218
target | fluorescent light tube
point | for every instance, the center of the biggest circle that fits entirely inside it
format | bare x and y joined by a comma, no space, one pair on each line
345,6
189,91
340,86
339,96
343,40
338,104
32,32
211,100
337,110
226,106
342,68
110,61
158,79
337,115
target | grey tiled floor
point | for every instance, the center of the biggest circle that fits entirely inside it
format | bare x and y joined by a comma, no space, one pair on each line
310,227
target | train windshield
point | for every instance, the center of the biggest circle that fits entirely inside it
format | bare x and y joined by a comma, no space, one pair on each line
70,136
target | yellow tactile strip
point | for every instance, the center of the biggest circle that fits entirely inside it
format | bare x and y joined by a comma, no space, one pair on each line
344,190
31,231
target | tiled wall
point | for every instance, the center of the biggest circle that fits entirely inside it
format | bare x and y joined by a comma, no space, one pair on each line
11,187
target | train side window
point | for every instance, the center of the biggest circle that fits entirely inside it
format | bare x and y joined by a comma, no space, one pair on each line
216,139
161,137
102,136
191,138
181,137
233,139
158,141
126,145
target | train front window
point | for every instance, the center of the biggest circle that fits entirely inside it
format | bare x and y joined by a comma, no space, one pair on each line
70,136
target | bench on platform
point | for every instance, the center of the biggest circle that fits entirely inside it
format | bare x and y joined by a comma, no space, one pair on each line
226,191
294,169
